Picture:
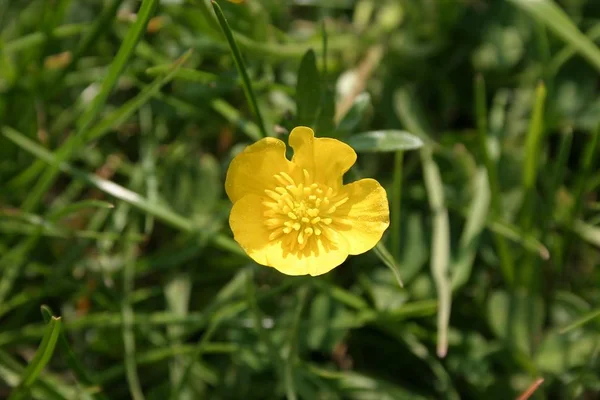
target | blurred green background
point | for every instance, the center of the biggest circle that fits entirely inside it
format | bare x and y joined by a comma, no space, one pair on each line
118,119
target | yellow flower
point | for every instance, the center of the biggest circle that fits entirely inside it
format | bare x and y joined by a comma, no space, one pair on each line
297,216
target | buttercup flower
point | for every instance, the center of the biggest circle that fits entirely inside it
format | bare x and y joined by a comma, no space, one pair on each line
297,216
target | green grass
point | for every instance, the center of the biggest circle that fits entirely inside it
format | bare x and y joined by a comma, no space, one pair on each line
119,276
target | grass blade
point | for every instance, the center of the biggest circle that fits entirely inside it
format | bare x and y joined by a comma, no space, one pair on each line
127,312
440,244
581,321
117,191
90,37
388,260
551,15
384,141
396,206
85,122
241,67
440,247
77,207
534,139
476,222
506,259
41,358
72,359
128,109
159,211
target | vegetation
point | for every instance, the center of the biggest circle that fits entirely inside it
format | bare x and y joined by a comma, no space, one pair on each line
119,276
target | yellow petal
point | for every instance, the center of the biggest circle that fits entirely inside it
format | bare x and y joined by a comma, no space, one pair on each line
247,223
252,171
318,261
326,159
364,217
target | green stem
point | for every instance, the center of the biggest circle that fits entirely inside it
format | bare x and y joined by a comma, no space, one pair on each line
396,204
241,67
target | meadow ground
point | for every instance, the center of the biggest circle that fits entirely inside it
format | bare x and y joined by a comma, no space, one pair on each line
119,275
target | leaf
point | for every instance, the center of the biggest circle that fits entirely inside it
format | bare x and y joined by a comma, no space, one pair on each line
582,321
587,232
41,358
440,246
440,243
241,67
72,359
516,318
87,119
384,141
558,353
551,15
158,210
533,145
326,119
308,91
77,207
384,255
476,223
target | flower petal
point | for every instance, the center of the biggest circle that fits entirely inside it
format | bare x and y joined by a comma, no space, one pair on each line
253,170
366,215
326,159
247,223
319,261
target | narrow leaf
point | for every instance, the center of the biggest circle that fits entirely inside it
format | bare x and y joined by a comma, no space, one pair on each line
41,358
241,67
308,90
551,15
581,321
72,359
87,119
384,141
384,255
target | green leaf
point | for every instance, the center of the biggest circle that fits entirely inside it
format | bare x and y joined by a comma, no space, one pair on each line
533,145
87,119
124,112
326,119
241,67
489,160
308,90
97,30
158,210
77,207
587,232
516,318
476,222
384,255
440,242
551,15
558,353
382,141
41,358
582,321
72,359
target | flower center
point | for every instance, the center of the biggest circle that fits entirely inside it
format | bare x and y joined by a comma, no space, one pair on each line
300,214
